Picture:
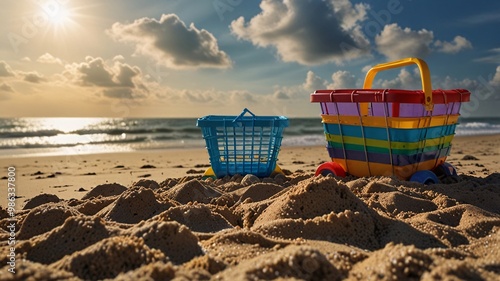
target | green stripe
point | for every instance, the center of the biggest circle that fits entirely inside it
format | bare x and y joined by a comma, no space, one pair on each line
385,150
385,143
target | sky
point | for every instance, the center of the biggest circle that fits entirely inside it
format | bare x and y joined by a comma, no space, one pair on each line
191,58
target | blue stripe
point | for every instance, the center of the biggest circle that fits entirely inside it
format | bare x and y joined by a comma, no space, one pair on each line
400,135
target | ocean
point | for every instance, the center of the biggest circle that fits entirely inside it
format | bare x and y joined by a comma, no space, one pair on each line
64,136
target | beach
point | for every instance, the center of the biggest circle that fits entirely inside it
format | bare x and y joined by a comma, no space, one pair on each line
148,215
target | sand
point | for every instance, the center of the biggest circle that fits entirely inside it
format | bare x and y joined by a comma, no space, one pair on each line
150,216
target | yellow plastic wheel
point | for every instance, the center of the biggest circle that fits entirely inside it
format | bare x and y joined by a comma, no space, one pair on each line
209,173
277,170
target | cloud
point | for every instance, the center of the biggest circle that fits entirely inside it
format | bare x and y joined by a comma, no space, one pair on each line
404,80
313,82
280,94
483,18
5,91
118,93
458,44
49,59
496,78
92,72
397,43
299,92
5,69
480,87
493,58
307,32
209,96
4,87
119,80
95,72
343,80
118,58
170,41
366,68
340,80
484,93
32,77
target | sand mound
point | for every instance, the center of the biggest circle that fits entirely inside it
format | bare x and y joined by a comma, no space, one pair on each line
197,217
134,205
206,264
153,271
476,191
109,257
486,249
249,212
292,262
45,218
259,191
398,204
394,262
147,183
457,225
109,189
320,208
379,185
75,234
176,241
399,262
455,270
230,186
354,228
192,191
235,245
400,232
27,270
40,200
92,207
312,198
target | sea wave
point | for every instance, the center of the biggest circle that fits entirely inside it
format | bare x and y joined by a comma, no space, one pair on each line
27,145
477,128
23,134
121,131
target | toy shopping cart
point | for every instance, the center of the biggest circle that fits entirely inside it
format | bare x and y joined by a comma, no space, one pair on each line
390,132
242,144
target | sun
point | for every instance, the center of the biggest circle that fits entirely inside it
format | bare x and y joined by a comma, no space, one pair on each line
58,14
62,17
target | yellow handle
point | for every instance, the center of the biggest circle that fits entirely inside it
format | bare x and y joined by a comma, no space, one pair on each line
424,74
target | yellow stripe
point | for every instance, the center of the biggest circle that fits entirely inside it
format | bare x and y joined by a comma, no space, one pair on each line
392,122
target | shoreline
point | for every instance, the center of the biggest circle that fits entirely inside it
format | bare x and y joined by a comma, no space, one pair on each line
42,153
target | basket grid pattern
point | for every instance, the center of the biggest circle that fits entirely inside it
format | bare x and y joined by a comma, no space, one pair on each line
243,144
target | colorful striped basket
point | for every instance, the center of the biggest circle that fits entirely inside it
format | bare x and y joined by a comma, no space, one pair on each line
406,133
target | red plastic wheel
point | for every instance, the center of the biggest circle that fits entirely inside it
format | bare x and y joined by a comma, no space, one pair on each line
330,168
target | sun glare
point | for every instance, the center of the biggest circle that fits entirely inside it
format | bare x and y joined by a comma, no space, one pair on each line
59,16
67,125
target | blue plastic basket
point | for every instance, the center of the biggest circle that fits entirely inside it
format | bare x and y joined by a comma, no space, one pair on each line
243,144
